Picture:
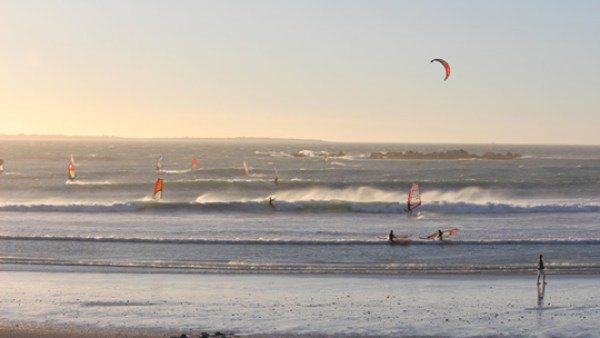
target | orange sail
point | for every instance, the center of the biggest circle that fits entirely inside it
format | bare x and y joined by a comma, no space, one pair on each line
194,163
158,189
71,171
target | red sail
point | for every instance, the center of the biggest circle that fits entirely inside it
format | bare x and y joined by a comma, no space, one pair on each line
446,67
414,196
71,171
158,188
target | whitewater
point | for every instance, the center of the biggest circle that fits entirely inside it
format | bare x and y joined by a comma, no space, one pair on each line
333,208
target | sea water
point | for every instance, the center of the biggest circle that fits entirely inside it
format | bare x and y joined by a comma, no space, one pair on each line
329,217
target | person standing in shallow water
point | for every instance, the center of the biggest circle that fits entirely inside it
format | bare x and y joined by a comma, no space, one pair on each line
541,273
271,200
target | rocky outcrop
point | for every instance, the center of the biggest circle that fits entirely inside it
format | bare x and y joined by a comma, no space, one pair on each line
459,154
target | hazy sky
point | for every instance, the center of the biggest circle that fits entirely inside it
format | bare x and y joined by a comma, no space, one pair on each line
523,71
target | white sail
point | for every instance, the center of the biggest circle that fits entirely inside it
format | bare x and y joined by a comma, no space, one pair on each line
246,170
159,163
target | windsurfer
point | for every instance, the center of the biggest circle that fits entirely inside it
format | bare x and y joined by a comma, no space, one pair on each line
440,235
271,200
414,199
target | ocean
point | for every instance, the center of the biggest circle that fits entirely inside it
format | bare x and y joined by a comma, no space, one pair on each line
330,217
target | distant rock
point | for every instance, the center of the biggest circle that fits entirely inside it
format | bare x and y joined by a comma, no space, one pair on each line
459,154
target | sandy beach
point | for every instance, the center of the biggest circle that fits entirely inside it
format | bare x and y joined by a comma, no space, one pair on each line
59,304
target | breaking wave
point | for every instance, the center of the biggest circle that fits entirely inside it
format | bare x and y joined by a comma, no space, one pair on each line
258,206
78,182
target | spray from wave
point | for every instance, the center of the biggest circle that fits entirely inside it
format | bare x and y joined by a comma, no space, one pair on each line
79,182
326,199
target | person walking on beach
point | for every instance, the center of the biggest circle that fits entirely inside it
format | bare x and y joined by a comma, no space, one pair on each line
541,273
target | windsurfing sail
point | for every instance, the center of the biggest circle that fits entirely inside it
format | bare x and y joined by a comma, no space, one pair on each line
159,163
194,163
245,168
72,174
414,198
158,189
1,165
445,234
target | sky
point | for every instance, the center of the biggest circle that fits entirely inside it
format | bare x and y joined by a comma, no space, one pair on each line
522,71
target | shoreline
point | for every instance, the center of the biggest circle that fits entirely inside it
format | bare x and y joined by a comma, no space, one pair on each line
378,272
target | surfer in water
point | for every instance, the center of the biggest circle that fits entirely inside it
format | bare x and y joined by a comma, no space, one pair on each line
440,235
408,209
276,180
541,273
391,236
271,200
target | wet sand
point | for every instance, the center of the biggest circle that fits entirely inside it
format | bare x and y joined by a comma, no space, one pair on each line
50,331
66,304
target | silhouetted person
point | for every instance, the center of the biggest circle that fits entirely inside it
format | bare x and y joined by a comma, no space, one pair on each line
271,200
541,272
440,234
391,236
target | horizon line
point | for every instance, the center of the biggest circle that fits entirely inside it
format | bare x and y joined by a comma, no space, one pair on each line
63,137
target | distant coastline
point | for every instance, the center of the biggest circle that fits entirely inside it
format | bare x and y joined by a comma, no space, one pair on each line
459,154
